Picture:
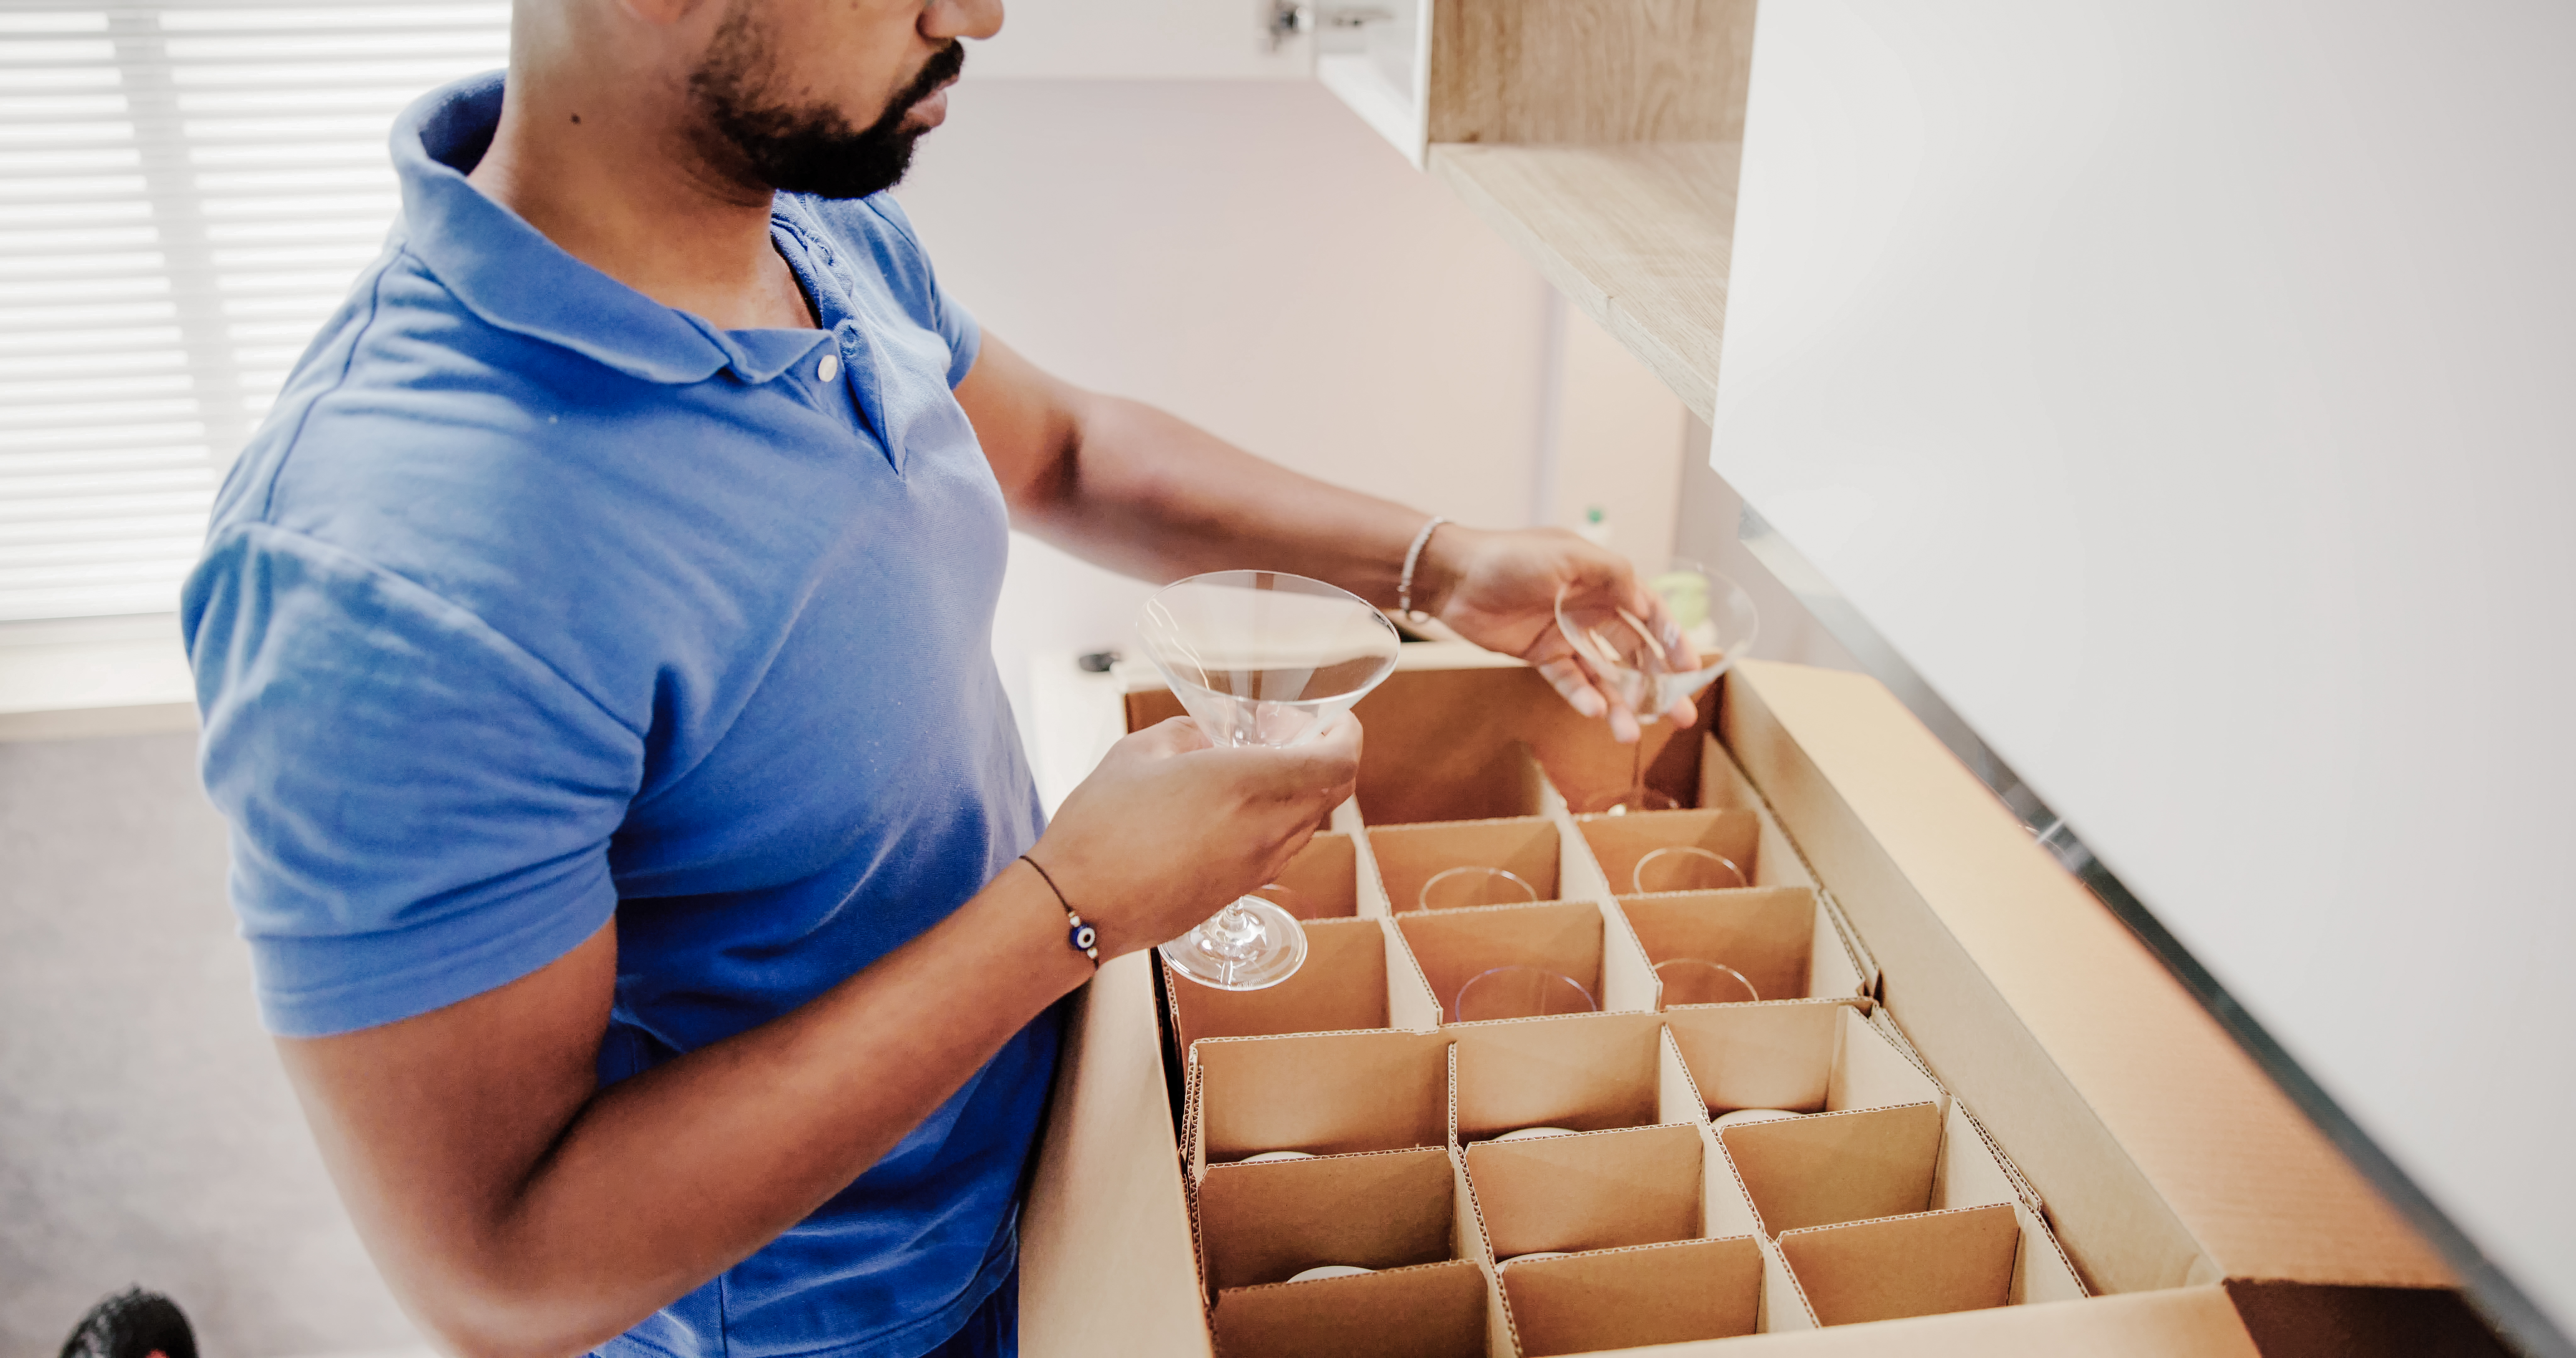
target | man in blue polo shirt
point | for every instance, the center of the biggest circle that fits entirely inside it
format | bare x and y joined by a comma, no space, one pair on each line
594,650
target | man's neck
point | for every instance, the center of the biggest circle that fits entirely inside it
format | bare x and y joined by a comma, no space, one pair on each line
620,185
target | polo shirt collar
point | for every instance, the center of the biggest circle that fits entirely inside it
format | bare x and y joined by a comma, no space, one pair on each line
508,274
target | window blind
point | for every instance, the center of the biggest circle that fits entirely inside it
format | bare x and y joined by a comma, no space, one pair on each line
186,191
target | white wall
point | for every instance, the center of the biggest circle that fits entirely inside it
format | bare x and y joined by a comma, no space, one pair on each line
2181,385
1250,257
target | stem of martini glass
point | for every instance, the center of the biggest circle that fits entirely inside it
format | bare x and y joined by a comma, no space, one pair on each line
1637,772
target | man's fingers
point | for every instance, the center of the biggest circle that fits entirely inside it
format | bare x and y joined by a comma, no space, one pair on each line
1567,676
1683,712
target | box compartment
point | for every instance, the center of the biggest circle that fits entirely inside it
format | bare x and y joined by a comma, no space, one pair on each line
1321,1093
1828,1168
1627,1298
1530,847
1265,1223
1357,975
1928,1263
1815,1056
1582,1072
1571,938
1782,940
1735,834
1442,1310
1325,877
1586,1191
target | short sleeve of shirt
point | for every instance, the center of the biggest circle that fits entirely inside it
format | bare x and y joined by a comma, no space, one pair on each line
421,809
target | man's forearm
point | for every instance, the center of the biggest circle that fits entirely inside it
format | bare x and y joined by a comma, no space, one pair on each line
1151,495
659,1182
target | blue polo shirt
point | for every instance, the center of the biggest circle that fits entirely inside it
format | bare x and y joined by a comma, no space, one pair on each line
536,604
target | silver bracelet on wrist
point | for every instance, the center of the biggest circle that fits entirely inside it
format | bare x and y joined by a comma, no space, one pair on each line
1412,558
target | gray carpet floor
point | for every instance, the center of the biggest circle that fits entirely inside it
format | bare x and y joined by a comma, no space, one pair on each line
146,1133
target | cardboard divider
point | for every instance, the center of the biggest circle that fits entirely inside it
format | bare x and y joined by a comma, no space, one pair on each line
1320,1093
1358,975
1582,1072
1814,1056
1530,847
1627,1298
1265,1223
1442,1310
1782,940
1587,1191
1928,1263
1832,1168
1325,875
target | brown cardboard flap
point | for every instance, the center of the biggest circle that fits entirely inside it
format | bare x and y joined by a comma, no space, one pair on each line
1105,1257
1837,1167
1434,1311
1767,935
1926,1264
1591,1191
1325,877
1322,1093
2167,1156
1265,1223
1410,855
1582,1072
1804,1057
1453,947
1342,986
1617,842
1648,1294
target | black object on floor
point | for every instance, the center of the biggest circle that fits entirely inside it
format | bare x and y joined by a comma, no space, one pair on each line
133,1324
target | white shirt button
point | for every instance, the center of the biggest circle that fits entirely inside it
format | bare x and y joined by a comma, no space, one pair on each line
828,369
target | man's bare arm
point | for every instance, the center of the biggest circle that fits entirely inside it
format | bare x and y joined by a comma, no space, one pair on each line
1127,486
518,1209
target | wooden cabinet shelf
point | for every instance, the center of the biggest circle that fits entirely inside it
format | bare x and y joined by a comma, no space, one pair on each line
1636,234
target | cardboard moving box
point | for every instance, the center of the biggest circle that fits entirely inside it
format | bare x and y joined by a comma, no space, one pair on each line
2059,1057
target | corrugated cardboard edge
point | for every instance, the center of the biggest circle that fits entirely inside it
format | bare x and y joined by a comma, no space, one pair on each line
2197,1321
1107,1260
2038,1010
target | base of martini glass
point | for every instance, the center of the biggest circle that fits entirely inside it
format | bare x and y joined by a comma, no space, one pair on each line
1249,945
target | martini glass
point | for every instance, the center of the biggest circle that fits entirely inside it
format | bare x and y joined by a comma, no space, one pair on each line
1712,622
1260,658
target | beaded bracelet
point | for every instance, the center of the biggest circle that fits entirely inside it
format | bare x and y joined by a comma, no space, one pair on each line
1084,938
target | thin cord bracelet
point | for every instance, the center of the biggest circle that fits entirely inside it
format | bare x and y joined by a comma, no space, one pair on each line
1412,558
1084,938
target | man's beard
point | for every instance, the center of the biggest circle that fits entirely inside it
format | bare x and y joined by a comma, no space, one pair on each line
812,149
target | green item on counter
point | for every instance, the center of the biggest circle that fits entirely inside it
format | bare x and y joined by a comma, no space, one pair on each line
1685,596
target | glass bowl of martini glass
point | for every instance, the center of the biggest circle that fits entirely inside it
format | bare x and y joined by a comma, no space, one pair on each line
1260,658
1646,669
